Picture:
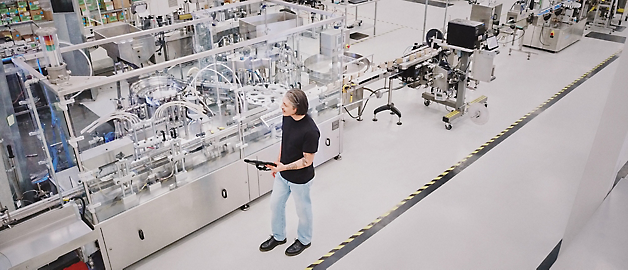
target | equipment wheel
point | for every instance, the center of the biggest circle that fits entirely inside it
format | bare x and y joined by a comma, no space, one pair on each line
427,102
448,126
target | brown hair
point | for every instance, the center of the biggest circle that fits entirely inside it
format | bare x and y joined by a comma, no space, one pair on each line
299,100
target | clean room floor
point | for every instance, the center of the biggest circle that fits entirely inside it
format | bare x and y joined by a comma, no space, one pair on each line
602,242
507,210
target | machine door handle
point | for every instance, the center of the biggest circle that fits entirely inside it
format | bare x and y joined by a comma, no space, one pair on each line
141,234
327,142
224,193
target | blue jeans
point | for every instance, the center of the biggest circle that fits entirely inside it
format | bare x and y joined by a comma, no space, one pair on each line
278,198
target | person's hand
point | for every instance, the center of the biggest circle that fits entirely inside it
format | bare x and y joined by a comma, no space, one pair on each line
277,168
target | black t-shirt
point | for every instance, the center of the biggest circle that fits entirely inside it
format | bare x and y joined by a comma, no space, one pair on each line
298,137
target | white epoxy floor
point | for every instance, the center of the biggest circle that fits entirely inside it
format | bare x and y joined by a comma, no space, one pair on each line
509,208
487,217
602,242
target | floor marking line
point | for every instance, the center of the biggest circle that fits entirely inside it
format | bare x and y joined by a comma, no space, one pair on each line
372,229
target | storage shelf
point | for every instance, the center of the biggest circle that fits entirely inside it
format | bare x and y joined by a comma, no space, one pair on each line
24,23
105,11
115,10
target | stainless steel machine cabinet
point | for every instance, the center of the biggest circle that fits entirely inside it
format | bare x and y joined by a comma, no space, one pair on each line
555,27
156,150
489,14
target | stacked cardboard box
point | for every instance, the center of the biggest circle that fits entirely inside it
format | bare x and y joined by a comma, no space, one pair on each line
120,4
106,5
25,16
23,11
47,15
22,6
5,33
112,17
30,38
37,15
33,5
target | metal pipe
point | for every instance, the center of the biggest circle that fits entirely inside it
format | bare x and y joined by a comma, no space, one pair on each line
375,19
445,18
13,169
27,67
89,202
425,18
41,205
146,32
390,89
40,134
75,149
65,90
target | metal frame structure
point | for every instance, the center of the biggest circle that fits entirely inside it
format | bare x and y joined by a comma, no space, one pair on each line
134,226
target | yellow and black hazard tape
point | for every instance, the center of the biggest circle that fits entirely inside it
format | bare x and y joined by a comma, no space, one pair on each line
363,234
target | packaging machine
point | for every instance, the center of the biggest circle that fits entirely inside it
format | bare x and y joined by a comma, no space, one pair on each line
555,27
444,67
137,160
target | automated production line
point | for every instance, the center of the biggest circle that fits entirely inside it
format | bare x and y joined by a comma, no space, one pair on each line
170,141
174,140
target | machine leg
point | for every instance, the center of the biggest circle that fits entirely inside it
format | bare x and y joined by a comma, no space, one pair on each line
388,107
245,207
360,111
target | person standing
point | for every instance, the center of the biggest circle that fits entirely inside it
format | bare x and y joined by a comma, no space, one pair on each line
293,173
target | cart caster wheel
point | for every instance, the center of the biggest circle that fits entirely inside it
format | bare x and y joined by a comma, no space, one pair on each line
338,157
427,102
374,119
360,119
448,126
245,207
486,105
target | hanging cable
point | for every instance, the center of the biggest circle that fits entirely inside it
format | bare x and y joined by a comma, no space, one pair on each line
91,68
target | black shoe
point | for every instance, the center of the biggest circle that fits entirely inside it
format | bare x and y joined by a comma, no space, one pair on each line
296,248
271,243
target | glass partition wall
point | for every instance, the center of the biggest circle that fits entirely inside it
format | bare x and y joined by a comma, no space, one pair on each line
121,141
